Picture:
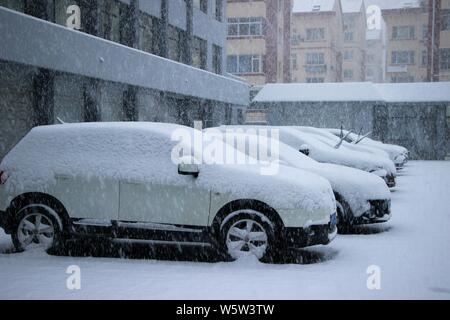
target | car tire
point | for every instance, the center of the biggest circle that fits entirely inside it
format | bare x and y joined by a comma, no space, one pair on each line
248,233
36,226
344,224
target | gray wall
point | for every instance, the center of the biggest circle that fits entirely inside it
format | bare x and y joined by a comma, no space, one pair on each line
420,127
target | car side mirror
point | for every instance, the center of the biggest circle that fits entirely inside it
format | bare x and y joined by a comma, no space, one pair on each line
187,167
304,149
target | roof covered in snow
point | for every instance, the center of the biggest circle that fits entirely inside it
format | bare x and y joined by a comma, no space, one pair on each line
352,6
414,92
307,6
405,4
355,91
343,91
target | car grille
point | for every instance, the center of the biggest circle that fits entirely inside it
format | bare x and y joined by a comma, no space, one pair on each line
379,208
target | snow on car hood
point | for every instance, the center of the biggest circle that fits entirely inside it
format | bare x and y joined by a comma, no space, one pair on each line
141,152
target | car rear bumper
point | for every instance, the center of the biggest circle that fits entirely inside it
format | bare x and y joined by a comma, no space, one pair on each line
314,235
380,211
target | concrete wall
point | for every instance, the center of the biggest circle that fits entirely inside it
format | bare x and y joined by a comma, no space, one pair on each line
423,128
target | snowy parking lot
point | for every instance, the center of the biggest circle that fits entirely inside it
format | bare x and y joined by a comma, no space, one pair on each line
412,252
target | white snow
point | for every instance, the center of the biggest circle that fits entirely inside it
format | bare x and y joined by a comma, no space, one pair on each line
412,251
414,92
355,91
317,92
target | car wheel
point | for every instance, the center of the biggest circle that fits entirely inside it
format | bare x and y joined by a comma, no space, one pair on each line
248,234
343,213
36,228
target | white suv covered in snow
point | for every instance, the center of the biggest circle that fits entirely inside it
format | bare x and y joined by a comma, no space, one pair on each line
120,181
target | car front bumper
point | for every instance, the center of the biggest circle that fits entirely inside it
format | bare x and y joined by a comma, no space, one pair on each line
380,211
314,235
390,181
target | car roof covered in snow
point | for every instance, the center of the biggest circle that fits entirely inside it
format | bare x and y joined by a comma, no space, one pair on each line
354,92
307,6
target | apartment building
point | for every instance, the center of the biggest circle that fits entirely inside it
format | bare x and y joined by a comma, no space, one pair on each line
444,41
407,27
316,41
375,55
354,40
130,60
258,40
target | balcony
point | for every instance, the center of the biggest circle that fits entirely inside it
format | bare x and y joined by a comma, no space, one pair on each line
315,68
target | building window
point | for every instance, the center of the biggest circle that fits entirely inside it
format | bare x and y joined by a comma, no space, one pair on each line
315,58
112,12
147,30
403,57
256,116
176,44
244,27
244,64
199,53
348,55
424,32
348,36
424,58
217,59
444,58
445,20
370,73
13,5
294,64
202,5
348,74
218,11
403,32
370,58
315,34
402,79
315,80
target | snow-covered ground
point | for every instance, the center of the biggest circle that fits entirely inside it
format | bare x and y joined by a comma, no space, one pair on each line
412,252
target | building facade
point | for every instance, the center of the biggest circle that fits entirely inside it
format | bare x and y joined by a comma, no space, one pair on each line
135,60
257,30
316,41
444,40
376,55
354,41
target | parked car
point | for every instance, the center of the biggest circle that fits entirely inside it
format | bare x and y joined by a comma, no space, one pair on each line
339,143
326,153
398,154
361,197
128,182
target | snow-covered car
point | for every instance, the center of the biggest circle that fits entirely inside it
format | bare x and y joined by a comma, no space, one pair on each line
361,197
128,182
326,153
378,155
398,154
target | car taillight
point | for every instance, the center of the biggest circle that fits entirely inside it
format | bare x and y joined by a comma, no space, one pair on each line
3,177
